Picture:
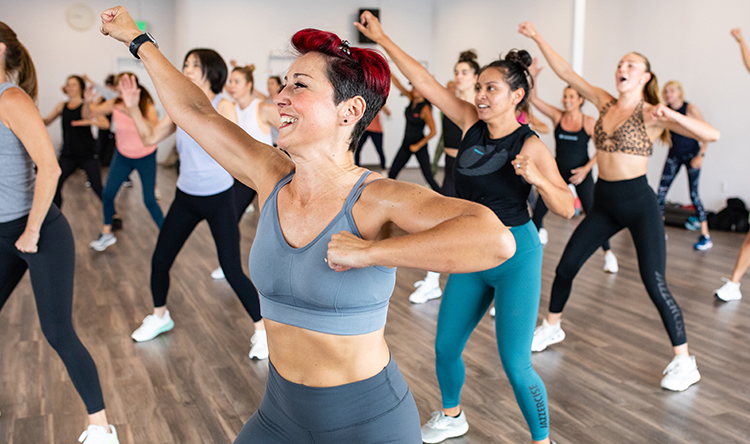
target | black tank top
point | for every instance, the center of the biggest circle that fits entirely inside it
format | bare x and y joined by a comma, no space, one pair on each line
414,123
451,133
681,145
572,149
77,140
485,174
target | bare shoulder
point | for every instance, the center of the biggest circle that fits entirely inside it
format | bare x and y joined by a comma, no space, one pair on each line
15,102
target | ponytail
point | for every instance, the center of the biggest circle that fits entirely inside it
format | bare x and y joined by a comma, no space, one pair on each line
18,63
247,71
651,95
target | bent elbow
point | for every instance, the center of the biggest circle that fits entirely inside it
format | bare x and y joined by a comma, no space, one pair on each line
506,246
715,137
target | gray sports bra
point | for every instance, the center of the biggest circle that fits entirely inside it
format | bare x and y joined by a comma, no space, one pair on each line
297,287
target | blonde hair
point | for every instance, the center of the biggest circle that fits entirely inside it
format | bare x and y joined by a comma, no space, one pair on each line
677,85
247,71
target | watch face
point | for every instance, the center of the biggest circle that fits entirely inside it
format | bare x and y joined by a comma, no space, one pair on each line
80,17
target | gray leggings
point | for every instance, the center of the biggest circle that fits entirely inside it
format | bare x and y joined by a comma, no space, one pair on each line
380,409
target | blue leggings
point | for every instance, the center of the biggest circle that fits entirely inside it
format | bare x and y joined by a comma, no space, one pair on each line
515,287
119,171
671,168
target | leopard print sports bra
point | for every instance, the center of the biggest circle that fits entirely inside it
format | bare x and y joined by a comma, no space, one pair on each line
629,138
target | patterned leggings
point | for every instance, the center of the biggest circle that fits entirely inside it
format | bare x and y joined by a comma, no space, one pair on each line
671,168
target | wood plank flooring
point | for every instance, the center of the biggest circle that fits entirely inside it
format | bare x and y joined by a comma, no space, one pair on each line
197,385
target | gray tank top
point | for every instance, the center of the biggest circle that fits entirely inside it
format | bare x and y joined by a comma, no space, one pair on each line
17,175
297,287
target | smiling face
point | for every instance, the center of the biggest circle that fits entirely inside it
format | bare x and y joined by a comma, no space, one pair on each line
72,88
632,73
238,86
571,100
464,76
494,97
306,103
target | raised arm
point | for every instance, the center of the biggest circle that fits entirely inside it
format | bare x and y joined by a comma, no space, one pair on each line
462,113
563,69
255,164
737,34
399,86
93,106
19,114
150,129
52,116
269,114
537,166
665,117
386,110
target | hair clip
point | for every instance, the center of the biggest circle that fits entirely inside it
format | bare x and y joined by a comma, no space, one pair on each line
345,47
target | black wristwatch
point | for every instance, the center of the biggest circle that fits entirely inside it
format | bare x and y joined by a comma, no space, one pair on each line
138,41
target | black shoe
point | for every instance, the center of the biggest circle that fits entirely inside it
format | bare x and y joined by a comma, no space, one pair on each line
116,224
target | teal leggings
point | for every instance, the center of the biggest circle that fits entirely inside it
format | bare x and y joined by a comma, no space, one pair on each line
515,286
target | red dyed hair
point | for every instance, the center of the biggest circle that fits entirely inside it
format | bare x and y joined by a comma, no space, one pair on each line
352,72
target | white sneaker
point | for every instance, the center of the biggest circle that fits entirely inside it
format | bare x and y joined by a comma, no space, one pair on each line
610,262
442,427
104,241
217,274
546,335
681,373
95,434
259,345
729,291
426,289
492,311
543,236
152,327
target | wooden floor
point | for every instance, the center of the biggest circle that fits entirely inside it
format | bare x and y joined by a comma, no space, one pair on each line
197,385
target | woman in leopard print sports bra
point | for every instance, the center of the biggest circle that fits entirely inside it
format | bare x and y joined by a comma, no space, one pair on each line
624,135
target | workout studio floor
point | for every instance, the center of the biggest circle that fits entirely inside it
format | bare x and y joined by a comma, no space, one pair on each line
196,384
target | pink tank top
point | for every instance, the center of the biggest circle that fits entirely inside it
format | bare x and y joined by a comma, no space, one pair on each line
126,137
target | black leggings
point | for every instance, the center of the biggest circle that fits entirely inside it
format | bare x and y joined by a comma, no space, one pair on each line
184,215
403,156
627,204
585,191
377,140
69,165
243,197
51,270
449,187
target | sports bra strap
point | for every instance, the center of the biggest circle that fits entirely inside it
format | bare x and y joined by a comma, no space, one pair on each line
356,192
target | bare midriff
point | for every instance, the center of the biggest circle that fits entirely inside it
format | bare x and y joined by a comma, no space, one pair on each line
620,166
319,359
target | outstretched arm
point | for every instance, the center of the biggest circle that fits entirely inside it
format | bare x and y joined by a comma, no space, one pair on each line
548,110
737,34
54,114
255,164
460,112
399,86
563,69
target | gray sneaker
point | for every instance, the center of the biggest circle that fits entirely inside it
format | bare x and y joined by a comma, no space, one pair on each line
441,427
104,241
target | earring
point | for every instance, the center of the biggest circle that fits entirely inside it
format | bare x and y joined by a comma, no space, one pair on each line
345,121
641,82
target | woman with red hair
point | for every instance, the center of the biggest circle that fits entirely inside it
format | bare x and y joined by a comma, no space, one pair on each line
322,260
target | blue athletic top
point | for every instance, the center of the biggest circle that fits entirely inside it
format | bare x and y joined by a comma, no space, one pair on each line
484,172
200,174
681,145
297,287
17,175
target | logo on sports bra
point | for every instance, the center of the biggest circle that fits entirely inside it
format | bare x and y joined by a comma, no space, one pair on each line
481,160
567,137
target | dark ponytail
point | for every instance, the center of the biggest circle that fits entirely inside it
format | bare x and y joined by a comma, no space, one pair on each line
18,63
515,69
470,58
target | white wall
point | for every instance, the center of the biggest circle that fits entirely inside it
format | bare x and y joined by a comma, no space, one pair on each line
59,51
686,40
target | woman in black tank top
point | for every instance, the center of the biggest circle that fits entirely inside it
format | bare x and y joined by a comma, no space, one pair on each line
79,146
418,114
572,155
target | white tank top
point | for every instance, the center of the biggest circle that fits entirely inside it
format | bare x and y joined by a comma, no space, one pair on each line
248,120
